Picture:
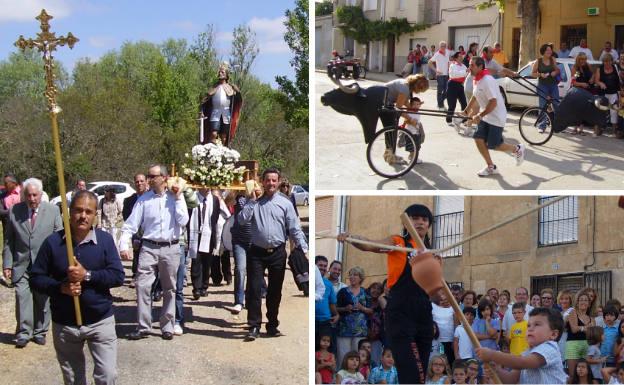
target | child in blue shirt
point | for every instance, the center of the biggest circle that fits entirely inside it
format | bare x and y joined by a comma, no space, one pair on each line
610,314
386,371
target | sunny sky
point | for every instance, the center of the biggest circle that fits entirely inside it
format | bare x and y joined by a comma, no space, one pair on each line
102,26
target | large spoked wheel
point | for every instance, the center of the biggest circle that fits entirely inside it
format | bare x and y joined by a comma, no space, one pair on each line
535,126
393,152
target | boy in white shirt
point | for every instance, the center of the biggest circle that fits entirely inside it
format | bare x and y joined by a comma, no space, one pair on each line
412,123
541,364
461,342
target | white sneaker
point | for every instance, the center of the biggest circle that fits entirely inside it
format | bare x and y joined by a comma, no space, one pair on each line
458,125
234,309
488,170
520,153
177,330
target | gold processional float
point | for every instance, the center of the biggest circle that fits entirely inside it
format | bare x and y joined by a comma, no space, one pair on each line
218,164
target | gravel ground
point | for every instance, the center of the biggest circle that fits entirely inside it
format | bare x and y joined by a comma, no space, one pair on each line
211,351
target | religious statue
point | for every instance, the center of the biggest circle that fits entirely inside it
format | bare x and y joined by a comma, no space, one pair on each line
220,110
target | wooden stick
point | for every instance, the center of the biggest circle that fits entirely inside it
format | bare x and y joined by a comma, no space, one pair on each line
454,245
498,225
71,260
409,226
370,243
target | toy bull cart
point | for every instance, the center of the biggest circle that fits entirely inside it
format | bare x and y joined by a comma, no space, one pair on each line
392,151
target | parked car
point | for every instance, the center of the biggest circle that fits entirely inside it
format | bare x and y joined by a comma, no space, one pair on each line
301,195
517,95
123,190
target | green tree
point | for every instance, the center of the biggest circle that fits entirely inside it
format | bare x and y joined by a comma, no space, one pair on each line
243,54
295,95
528,30
324,8
204,51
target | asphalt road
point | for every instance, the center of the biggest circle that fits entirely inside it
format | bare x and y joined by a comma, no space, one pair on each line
451,161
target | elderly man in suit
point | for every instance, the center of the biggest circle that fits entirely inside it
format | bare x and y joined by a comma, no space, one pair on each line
29,224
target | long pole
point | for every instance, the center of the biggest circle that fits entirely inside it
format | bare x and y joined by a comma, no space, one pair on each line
46,42
409,226
71,259
456,244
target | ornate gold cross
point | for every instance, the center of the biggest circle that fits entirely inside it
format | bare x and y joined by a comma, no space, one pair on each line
47,42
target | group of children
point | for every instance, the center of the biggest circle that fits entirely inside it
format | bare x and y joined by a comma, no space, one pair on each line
356,367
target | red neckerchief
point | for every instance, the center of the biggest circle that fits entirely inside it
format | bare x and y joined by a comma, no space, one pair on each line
484,56
608,50
480,75
442,53
584,45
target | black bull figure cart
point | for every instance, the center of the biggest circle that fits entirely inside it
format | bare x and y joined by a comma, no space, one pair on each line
368,105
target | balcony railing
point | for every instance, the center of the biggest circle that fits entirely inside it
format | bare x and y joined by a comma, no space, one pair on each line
448,229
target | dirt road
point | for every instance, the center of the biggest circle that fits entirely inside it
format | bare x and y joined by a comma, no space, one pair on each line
211,351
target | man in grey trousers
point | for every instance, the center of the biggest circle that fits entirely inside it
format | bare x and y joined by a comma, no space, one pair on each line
98,269
162,214
29,224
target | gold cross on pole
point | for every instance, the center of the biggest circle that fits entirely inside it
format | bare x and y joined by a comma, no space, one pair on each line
47,42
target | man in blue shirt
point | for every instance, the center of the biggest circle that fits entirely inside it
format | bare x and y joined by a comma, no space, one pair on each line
273,221
97,270
325,313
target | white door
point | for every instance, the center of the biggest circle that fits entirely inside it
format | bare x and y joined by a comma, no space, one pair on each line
467,35
375,56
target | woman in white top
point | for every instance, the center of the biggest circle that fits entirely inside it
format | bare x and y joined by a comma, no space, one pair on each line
455,88
443,315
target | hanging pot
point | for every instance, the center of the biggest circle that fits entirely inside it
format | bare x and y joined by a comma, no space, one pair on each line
427,272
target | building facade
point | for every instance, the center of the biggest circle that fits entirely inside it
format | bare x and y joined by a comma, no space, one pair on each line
567,21
573,243
455,21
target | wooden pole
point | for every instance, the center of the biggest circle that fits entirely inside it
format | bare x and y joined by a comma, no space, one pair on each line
409,226
46,42
454,245
71,259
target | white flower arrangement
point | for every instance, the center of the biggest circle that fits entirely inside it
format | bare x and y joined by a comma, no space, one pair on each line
212,165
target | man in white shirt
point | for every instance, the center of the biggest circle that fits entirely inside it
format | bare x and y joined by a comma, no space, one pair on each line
220,110
206,226
522,295
440,63
582,47
490,118
162,214
609,51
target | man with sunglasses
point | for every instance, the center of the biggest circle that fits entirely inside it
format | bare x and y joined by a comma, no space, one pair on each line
162,214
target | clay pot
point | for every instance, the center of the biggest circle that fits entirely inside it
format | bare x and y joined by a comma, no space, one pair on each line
427,272
621,202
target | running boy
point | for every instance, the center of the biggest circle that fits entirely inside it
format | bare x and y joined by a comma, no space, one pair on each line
542,363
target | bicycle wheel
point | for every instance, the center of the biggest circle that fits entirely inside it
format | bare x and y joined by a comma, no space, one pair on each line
392,152
535,126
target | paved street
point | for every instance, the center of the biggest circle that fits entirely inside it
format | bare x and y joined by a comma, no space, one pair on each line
451,161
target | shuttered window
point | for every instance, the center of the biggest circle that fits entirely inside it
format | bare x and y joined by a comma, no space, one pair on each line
558,223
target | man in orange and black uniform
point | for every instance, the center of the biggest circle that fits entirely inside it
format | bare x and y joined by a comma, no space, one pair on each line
409,322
